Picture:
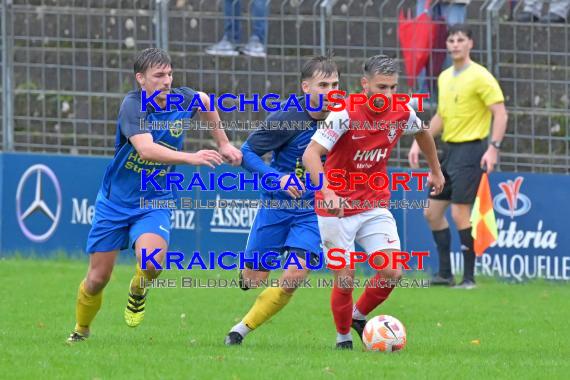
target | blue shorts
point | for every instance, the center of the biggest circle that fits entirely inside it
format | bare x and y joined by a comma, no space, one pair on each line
115,227
279,230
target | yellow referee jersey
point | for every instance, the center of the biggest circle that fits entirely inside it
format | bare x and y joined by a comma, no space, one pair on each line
463,102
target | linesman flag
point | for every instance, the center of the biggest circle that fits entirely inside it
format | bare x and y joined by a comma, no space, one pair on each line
483,224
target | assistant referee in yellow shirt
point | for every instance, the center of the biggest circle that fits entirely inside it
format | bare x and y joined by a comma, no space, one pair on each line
469,98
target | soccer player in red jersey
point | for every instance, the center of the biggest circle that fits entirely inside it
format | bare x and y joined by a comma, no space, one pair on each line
364,151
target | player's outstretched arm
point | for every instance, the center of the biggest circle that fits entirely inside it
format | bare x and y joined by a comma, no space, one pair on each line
253,163
426,143
229,152
149,150
263,141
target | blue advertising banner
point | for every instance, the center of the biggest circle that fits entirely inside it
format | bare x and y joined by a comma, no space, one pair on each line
530,210
47,202
48,205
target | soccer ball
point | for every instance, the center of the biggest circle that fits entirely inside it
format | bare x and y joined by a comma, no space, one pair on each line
384,333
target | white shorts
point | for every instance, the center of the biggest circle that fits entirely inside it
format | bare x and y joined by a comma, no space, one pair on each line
374,230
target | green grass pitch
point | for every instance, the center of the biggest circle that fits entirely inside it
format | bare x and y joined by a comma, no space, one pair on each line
496,331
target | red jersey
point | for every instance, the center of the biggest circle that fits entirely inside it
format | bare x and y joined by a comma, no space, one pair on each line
361,141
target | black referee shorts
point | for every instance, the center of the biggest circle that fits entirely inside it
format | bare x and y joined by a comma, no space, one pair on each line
461,167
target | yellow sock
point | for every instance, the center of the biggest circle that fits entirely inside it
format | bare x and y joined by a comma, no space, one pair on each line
267,304
86,308
136,281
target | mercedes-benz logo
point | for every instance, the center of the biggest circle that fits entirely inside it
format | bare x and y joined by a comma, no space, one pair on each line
38,204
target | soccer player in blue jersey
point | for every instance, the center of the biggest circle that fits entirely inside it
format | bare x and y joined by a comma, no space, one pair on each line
119,222
292,230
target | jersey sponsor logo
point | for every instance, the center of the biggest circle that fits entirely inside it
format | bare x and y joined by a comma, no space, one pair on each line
329,135
370,155
134,160
299,168
34,178
392,135
177,130
332,134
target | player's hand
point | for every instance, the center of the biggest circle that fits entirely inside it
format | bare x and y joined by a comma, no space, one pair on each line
336,209
209,158
292,189
436,181
231,154
489,159
414,156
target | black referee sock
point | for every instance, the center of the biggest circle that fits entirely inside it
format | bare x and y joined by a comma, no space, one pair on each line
443,242
468,254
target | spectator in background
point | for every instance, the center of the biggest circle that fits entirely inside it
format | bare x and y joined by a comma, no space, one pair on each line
557,12
453,12
256,45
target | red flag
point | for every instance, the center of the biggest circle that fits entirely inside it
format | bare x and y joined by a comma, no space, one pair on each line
483,222
416,40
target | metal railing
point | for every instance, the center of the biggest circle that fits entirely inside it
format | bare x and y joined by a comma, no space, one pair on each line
531,61
71,66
